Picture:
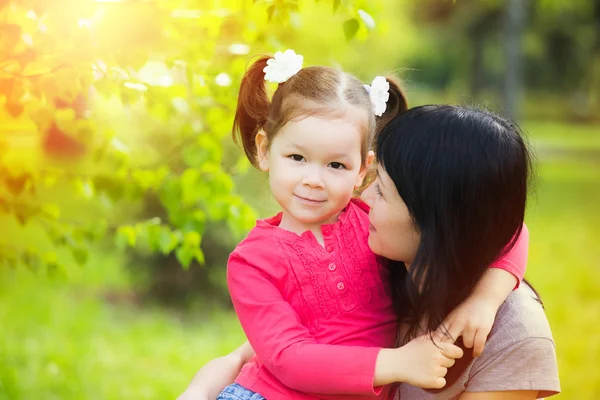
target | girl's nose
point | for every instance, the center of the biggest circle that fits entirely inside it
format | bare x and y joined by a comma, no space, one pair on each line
313,177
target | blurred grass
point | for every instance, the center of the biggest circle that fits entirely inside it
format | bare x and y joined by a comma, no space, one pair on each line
85,337
564,222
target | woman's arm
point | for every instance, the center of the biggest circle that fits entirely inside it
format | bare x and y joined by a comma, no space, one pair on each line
508,395
215,375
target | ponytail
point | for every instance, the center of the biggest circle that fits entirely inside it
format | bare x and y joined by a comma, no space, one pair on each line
252,108
396,105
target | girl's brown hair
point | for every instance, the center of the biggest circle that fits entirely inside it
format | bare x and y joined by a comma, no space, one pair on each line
313,91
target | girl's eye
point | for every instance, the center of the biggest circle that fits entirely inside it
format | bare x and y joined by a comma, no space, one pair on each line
337,165
296,157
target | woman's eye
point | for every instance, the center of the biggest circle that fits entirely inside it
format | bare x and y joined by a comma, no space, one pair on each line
337,165
296,157
377,189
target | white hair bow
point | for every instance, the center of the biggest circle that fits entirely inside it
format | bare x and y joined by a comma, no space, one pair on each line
283,66
379,92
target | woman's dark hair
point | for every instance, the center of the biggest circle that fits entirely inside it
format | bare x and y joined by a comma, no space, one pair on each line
463,174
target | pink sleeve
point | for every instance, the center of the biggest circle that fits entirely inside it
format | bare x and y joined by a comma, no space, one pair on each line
286,347
515,261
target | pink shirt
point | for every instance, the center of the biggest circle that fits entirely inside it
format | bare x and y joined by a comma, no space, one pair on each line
317,316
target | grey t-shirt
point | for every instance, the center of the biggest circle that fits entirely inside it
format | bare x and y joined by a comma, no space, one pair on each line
518,355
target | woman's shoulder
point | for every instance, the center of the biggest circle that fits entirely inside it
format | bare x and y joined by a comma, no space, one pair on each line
518,355
520,352
519,318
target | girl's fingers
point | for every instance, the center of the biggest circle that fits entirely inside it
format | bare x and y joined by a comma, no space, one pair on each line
451,351
439,383
448,362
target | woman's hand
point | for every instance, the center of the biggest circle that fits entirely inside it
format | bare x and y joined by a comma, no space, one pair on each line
422,362
474,318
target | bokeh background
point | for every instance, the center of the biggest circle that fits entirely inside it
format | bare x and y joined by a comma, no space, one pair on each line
121,193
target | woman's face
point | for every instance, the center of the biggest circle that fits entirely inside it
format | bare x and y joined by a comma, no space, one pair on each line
392,232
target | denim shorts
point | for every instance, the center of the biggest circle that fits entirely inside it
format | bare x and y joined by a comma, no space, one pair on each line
238,392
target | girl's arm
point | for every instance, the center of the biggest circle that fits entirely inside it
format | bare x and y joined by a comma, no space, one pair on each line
515,261
474,318
291,353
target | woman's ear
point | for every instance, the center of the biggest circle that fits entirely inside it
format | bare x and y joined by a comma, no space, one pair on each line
262,150
364,169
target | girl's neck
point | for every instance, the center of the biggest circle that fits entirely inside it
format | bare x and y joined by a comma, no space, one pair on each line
291,224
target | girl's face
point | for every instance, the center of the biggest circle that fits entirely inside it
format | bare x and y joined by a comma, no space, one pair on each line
314,165
393,234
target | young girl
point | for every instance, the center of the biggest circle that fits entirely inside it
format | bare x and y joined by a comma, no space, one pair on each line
312,298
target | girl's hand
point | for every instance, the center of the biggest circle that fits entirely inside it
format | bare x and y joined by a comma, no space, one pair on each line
473,320
424,361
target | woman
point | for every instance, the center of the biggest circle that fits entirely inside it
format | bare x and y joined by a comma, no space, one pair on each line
450,193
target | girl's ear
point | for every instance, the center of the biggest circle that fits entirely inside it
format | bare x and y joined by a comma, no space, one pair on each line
366,167
262,150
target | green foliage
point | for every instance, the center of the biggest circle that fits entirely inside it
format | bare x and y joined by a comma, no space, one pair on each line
88,338
122,101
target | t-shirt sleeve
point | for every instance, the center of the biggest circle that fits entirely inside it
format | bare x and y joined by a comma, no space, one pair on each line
286,347
515,261
529,364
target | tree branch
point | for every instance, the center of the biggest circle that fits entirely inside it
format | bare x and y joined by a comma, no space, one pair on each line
52,71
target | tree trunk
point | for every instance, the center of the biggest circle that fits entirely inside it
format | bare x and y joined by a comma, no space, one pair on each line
514,26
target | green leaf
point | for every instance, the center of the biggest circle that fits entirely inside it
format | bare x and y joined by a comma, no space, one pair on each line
31,258
199,256
367,19
80,255
167,240
97,230
23,213
50,258
350,28
271,12
110,186
51,210
191,239
126,236
336,5
185,256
